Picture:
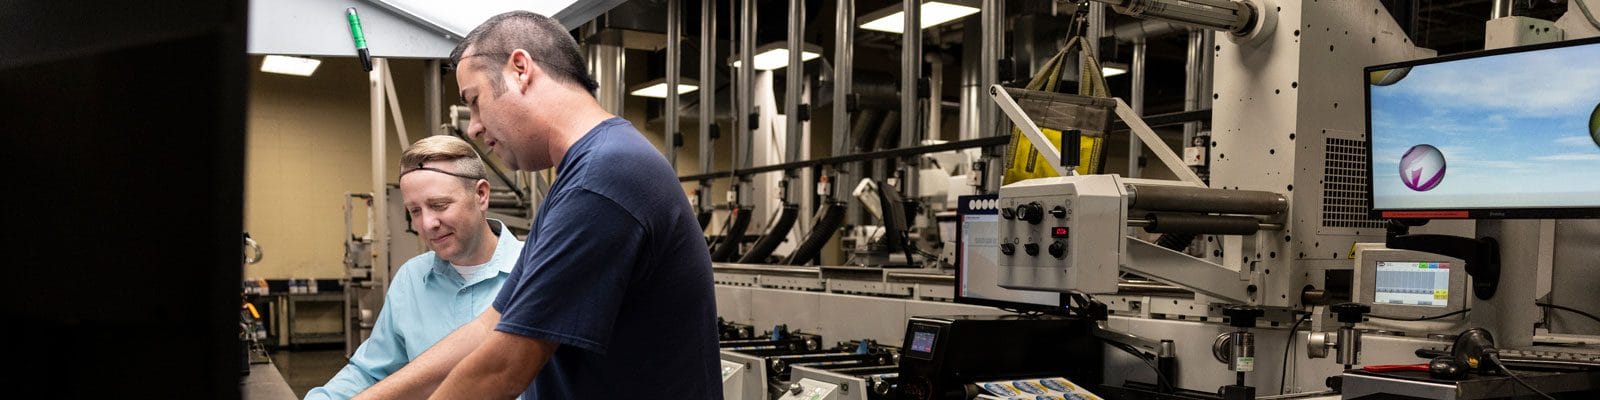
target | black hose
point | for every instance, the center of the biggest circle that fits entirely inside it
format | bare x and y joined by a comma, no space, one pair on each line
889,131
865,128
776,234
827,222
728,247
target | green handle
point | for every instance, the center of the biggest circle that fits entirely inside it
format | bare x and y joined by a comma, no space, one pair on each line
355,27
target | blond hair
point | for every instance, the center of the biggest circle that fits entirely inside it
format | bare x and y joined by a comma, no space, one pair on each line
464,161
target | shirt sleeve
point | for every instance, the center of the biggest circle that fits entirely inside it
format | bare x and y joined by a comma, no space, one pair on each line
380,355
570,283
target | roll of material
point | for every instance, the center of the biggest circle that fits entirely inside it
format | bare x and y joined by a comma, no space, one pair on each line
1201,224
1191,199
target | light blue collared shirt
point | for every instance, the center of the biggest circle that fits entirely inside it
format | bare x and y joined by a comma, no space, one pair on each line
427,300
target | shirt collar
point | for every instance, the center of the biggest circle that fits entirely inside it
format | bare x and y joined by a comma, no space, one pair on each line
504,247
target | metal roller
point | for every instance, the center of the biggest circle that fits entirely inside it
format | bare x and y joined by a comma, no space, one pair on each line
1201,224
1204,200
1234,17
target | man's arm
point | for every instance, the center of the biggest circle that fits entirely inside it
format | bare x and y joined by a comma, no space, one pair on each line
502,367
380,355
423,375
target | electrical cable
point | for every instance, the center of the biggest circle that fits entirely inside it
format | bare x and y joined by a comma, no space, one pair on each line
1162,378
1582,6
1283,372
1464,310
1495,358
1569,309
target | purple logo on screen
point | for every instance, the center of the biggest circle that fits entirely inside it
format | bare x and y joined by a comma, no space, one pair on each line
1422,168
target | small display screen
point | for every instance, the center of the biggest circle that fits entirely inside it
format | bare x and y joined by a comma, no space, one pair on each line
922,342
1412,283
1059,232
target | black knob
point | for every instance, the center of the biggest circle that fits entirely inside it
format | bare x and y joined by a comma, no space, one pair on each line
1008,213
1031,212
1351,313
1031,248
1059,212
1008,248
1242,316
1058,249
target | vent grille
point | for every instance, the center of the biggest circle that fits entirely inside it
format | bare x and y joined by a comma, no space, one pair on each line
1344,186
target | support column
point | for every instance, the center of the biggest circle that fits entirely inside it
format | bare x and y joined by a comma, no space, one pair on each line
380,169
674,60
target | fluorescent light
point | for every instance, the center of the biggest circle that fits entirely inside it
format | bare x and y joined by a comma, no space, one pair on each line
933,13
776,58
659,90
290,65
1110,71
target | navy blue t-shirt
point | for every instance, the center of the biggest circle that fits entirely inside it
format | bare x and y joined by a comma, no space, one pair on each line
615,270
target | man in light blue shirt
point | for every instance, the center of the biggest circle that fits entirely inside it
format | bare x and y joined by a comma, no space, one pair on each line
444,191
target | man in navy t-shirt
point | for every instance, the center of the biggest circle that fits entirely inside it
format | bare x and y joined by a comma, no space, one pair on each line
612,296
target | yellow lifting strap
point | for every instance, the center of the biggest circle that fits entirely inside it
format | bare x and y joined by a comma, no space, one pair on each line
1022,160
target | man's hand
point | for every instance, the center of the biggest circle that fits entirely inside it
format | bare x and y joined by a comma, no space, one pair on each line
423,375
502,367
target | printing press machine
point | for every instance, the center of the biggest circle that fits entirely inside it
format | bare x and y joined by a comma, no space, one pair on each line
762,366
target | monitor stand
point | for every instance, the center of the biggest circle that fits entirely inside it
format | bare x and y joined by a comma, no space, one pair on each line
1507,249
1511,313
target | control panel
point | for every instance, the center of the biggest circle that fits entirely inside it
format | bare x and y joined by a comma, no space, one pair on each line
1062,234
809,389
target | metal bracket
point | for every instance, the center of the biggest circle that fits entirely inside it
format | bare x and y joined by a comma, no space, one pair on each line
1031,130
1178,269
1173,162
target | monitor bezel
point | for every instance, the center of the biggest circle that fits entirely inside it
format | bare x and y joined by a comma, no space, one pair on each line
1462,213
962,210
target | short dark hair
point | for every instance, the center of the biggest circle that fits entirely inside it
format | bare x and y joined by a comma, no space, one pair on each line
542,37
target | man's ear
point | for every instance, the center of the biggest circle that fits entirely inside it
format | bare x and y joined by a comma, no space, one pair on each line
482,189
524,69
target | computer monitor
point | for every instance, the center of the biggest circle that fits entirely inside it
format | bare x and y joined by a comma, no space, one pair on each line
1507,133
1406,283
977,268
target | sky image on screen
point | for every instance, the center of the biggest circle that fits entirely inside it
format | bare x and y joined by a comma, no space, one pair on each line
1515,130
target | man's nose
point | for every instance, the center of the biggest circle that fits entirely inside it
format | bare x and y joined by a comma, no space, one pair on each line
428,221
475,130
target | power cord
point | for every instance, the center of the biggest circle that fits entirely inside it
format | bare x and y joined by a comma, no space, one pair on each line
1283,372
1448,314
1569,309
1494,357
1582,6
1146,359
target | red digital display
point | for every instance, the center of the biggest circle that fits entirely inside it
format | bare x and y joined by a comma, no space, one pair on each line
1058,232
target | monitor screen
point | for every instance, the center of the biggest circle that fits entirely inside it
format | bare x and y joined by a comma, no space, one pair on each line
977,253
1508,133
1412,283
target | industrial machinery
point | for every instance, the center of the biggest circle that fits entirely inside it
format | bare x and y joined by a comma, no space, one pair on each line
946,357
779,361
1293,229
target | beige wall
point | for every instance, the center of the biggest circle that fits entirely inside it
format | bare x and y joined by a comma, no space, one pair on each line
309,142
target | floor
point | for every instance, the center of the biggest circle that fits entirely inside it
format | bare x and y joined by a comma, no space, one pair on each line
308,368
